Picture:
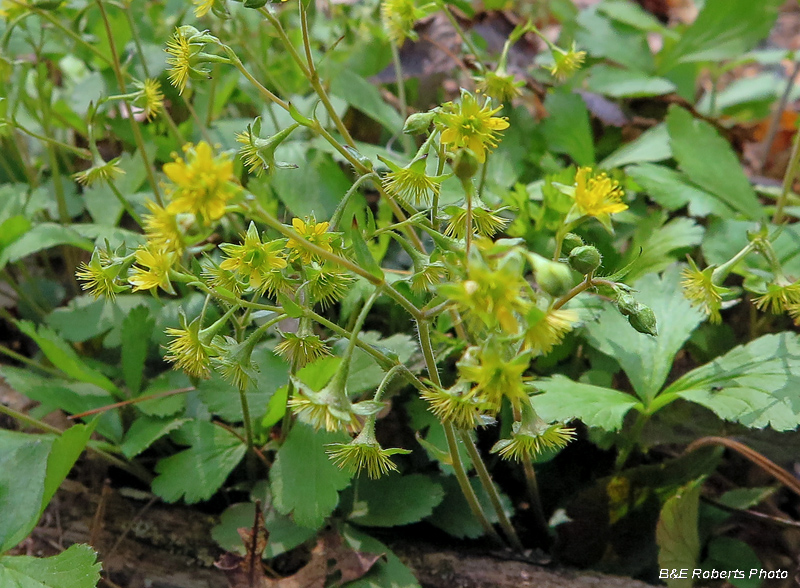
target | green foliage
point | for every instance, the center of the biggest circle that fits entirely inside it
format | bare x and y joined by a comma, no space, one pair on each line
76,567
676,533
395,500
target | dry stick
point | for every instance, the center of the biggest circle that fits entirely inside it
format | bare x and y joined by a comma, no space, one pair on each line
766,464
753,514
774,124
131,401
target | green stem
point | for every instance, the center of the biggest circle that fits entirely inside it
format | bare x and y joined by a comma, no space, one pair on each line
386,380
469,190
137,132
125,204
788,180
464,37
82,153
28,361
408,142
482,181
632,440
491,490
337,214
533,493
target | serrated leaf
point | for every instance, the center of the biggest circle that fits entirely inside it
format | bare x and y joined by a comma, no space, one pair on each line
65,451
652,145
64,357
303,480
40,237
756,385
710,162
145,431
361,94
166,405
390,573
77,567
723,29
616,41
625,83
395,500
647,360
198,472
676,533
657,241
673,190
567,127
137,328
564,400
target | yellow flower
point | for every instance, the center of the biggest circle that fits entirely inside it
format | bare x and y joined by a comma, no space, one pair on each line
566,62
547,329
300,350
106,171
398,17
151,98
203,184
700,290
494,375
330,408
253,259
313,232
598,196
410,183
779,297
499,85
201,7
531,436
99,276
326,283
162,228
188,350
472,126
364,452
152,270
185,50
456,406
484,221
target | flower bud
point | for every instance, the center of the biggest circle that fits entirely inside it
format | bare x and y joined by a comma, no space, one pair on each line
585,259
465,164
626,304
644,320
553,277
418,123
570,242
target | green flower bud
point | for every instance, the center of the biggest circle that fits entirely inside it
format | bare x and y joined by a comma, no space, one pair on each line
465,164
553,277
418,123
626,304
644,320
570,242
585,259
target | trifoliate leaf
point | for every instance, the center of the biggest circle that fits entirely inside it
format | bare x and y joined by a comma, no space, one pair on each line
74,568
198,472
303,480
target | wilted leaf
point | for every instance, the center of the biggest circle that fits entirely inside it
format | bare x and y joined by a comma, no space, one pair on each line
676,533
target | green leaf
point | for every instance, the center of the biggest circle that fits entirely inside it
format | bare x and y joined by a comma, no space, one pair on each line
724,29
66,450
756,385
64,357
137,328
673,190
12,229
652,145
567,127
625,83
42,236
613,40
393,500
303,480
389,573
724,238
167,405
564,400
631,14
316,188
657,242
648,360
145,431
198,472
359,93
276,407
676,533
365,373
364,255
709,161
21,494
77,567
728,554
453,515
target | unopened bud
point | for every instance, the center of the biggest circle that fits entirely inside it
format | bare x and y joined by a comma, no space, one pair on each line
626,304
570,242
465,164
644,320
585,259
553,277
418,123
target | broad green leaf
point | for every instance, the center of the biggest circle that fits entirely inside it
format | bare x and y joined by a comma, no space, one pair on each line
303,480
40,237
21,493
724,29
652,145
137,328
283,533
626,83
198,472
564,400
77,567
316,188
657,243
276,407
64,357
616,41
394,500
363,255
673,190
756,385
727,553
361,94
145,431
631,14
165,405
72,397
453,515
388,573
12,229
648,360
66,450
567,127
676,533
709,161
365,373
